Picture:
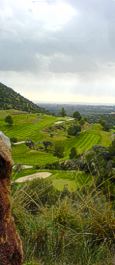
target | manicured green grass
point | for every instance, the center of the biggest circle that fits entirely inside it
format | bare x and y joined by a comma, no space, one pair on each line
71,180
106,138
94,135
36,127
23,155
82,142
21,173
27,126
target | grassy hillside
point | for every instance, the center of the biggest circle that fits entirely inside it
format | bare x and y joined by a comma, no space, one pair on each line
26,125
92,136
66,218
38,127
71,180
9,99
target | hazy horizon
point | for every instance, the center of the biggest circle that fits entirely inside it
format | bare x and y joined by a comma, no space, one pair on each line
75,103
60,50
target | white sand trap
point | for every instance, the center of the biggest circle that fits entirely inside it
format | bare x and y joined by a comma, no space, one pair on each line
22,142
26,167
41,175
59,122
70,119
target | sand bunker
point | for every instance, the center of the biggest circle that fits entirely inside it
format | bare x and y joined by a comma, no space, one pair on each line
33,176
18,143
59,122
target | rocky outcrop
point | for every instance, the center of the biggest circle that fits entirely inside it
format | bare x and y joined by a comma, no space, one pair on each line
10,244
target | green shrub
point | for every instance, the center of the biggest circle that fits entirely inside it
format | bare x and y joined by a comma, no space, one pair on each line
77,229
73,153
59,150
13,140
74,130
9,120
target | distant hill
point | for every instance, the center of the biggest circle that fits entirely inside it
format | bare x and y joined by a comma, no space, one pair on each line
9,99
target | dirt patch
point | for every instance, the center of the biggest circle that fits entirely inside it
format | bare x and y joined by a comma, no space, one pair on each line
33,176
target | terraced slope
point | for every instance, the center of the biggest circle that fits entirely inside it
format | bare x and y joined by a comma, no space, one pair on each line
36,127
87,139
26,125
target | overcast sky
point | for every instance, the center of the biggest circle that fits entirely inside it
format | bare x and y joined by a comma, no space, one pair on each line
59,51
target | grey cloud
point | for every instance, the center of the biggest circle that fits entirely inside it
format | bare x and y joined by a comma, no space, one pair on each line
82,46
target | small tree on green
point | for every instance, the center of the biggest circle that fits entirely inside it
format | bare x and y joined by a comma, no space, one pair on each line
59,150
112,148
47,144
74,130
104,124
73,153
63,112
9,120
77,115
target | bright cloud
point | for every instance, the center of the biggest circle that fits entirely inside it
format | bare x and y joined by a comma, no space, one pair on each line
59,50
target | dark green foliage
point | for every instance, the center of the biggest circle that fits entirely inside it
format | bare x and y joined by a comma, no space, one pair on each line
30,144
76,228
62,112
77,115
47,144
9,99
59,150
44,194
105,125
98,162
73,153
74,130
9,120
13,140
54,165
82,121
112,148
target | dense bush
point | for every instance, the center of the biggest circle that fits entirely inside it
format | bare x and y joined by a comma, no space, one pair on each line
76,229
77,115
74,130
59,150
73,153
9,120
13,140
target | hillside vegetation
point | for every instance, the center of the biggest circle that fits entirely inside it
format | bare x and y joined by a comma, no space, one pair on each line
9,99
68,218
38,127
76,228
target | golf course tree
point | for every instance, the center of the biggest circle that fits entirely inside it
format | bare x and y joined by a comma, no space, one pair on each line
73,153
112,148
74,129
104,124
59,150
77,115
99,163
9,120
13,140
63,112
30,144
47,144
